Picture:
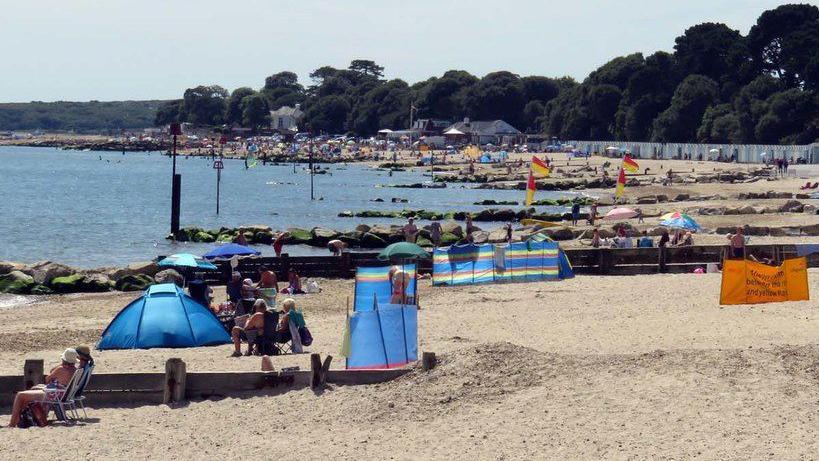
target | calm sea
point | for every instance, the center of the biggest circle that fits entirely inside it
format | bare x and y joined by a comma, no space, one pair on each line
92,209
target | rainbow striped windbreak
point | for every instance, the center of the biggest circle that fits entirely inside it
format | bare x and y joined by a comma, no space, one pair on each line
373,283
470,264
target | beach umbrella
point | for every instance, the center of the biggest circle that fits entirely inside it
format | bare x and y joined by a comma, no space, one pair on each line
617,214
612,148
402,250
230,250
679,220
186,260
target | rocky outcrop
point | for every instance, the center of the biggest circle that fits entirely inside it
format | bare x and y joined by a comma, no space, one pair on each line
149,268
169,276
136,282
68,284
16,282
46,271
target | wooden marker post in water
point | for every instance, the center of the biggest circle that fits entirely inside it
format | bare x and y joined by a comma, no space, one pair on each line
176,182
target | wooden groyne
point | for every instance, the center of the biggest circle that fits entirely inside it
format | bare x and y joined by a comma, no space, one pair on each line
598,261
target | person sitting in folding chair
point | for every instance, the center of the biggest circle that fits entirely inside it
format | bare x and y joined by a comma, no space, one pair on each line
87,365
28,401
250,329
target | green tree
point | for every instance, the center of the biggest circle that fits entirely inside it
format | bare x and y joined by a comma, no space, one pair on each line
204,105
168,112
784,40
255,111
679,123
715,51
498,95
327,115
367,67
234,104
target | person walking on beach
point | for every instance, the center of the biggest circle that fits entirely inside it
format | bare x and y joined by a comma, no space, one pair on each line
508,232
592,213
435,232
410,231
639,215
575,212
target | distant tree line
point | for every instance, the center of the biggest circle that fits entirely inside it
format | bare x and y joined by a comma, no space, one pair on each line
717,86
93,116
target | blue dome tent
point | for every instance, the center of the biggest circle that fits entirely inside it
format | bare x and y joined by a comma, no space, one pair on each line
163,317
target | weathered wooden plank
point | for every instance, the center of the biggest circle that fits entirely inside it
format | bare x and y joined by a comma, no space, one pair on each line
127,381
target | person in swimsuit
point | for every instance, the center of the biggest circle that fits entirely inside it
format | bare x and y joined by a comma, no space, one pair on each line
58,378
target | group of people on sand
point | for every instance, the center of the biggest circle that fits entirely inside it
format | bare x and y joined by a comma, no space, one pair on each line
252,306
29,407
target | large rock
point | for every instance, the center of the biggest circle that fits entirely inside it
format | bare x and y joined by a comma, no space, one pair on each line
9,266
204,237
322,235
647,200
448,238
16,282
149,268
370,240
136,282
747,209
452,227
362,228
682,198
169,276
560,233
711,211
792,206
298,236
68,284
813,229
95,281
46,271
352,239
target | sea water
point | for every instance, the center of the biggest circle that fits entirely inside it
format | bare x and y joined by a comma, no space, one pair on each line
90,209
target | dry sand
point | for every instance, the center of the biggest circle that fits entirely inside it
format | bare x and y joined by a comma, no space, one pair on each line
593,367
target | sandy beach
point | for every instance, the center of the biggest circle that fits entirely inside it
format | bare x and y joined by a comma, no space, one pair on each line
612,367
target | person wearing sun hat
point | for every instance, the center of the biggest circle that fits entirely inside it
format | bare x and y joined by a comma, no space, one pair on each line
59,377
84,356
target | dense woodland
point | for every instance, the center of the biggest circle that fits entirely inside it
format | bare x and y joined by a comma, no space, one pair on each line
93,116
716,86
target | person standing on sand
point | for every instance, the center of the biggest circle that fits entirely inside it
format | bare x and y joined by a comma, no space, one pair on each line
592,213
241,239
410,231
508,228
575,212
737,243
279,243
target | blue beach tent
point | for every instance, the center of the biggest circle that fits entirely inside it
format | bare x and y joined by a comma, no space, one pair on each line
164,316
229,250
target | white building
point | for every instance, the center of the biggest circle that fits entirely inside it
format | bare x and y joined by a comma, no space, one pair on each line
286,118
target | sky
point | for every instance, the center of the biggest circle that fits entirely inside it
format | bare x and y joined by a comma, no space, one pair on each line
80,50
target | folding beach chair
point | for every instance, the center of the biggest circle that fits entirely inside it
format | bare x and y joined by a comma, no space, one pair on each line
79,398
62,399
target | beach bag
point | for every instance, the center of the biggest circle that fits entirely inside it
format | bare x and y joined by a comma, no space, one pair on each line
306,337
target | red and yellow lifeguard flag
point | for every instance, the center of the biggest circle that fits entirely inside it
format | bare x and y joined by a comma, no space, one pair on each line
539,168
621,183
630,164
530,189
